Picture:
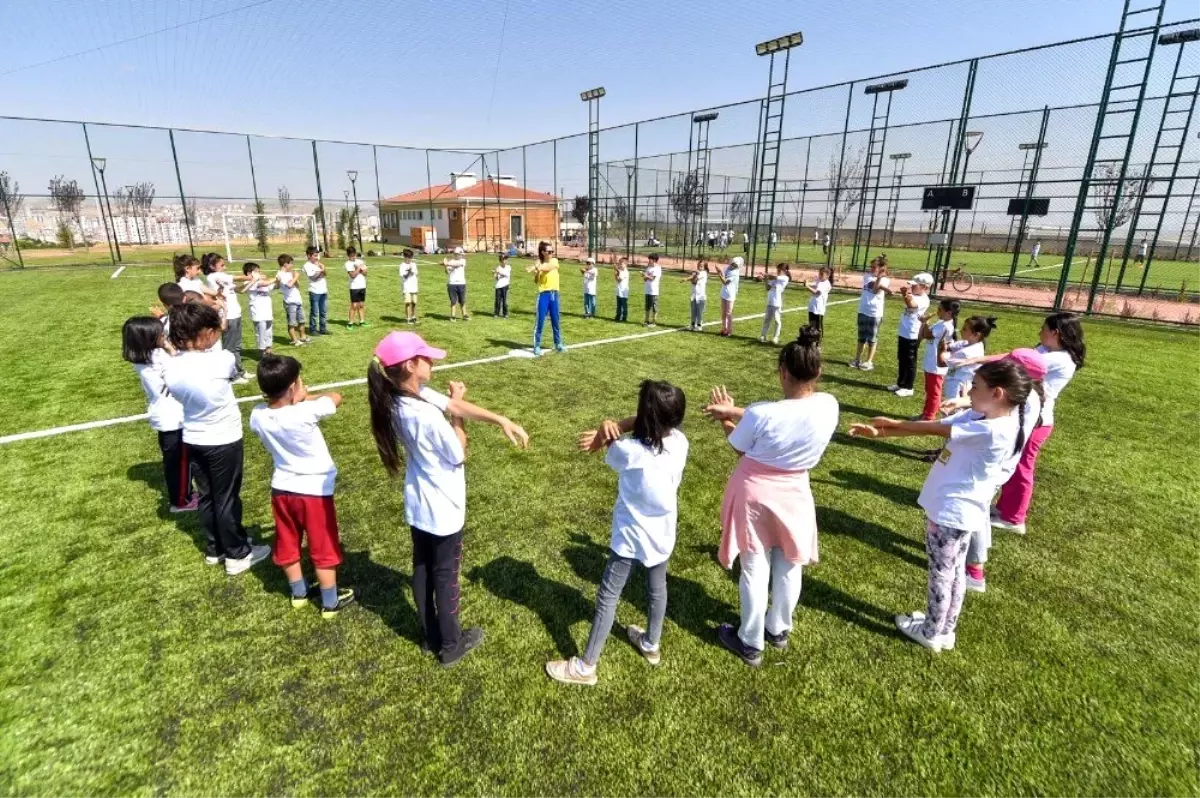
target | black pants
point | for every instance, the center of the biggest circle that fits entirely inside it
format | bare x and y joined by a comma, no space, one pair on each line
176,469
906,360
436,562
218,474
817,322
501,308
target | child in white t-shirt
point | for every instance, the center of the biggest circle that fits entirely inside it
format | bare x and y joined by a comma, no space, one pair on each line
302,483
875,290
590,274
456,284
503,275
819,300
956,496
406,413
356,270
975,330
293,302
699,281
262,313
730,276
649,465
202,381
774,313
908,338
189,275
224,284
144,345
318,292
409,286
651,278
621,275
940,334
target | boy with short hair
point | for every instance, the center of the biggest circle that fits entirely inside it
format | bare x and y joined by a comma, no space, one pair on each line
293,303
262,314
652,276
356,270
590,273
318,292
408,284
503,275
303,481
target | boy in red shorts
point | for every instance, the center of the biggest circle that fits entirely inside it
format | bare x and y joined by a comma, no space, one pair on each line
302,485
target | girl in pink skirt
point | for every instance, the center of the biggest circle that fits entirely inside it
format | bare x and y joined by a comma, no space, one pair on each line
768,519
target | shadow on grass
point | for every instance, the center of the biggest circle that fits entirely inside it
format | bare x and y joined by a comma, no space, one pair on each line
880,447
821,596
558,606
853,480
836,522
828,376
508,344
383,591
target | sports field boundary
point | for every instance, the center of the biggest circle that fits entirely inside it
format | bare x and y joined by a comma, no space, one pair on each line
51,432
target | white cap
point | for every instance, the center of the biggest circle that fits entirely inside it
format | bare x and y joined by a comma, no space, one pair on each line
924,278
738,261
458,251
591,260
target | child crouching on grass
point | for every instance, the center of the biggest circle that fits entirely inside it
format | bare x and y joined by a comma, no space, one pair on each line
406,413
303,481
957,493
649,465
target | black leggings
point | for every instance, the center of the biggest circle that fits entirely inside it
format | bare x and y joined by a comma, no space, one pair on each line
436,563
218,473
906,361
176,469
501,306
817,322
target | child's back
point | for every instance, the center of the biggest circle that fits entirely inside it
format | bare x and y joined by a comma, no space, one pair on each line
166,414
293,438
203,384
646,511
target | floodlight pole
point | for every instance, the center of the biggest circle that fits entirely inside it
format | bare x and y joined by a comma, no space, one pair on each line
187,223
942,259
321,199
379,204
87,140
771,135
803,197
592,98
1036,148
353,175
876,146
100,164
701,172
898,161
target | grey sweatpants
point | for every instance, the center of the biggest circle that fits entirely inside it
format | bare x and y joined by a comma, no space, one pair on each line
698,312
616,574
231,340
264,333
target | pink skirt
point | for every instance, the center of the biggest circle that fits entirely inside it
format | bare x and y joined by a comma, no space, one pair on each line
765,508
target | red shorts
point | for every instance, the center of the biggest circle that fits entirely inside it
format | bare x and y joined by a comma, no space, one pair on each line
297,515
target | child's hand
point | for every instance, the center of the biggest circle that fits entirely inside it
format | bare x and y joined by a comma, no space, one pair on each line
531,268
157,311
863,431
612,430
720,396
883,422
515,434
458,390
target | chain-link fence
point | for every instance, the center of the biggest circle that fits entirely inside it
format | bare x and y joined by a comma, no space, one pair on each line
853,170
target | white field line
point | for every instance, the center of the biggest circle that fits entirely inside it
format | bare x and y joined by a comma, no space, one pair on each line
1039,268
515,353
117,273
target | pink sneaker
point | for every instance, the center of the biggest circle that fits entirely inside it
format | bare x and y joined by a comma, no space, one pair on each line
190,507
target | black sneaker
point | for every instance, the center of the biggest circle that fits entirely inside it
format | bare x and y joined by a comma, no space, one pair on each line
729,638
346,597
468,640
778,641
314,593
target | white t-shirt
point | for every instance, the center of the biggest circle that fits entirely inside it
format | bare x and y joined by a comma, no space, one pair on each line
910,318
942,331
647,508
504,276
290,282
871,302
1036,249
408,276
192,284
222,283
294,441
775,292
435,481
700,287
729,289
589,281
260,301
456,274
359,281
203,384
166,414
959,378
958,491
316,285
820,300
789,434
623,284
655,275
1060,368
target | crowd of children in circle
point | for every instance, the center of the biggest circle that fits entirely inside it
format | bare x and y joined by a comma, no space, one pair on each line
993,413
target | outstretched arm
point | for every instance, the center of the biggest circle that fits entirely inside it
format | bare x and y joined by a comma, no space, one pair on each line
593,440
462,409
883,427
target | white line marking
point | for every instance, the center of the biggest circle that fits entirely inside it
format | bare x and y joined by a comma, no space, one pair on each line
515,353
1039,268
117,273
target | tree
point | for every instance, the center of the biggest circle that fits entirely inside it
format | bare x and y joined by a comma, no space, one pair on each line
343,226
309,232
260,227
285,206
66,197
125,201
619,213
189,213
739,209
686,197
581,208
1104,191
11,198
845,188
143,201
64,235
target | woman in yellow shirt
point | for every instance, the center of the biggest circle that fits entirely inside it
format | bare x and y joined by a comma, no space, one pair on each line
545,275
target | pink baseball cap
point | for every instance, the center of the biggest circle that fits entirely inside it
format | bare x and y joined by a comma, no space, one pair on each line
1031,360
397,347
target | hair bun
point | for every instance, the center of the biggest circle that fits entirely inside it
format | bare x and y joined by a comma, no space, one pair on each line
808,336
991,322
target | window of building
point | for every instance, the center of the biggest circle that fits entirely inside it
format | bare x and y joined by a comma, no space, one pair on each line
420,215
453,214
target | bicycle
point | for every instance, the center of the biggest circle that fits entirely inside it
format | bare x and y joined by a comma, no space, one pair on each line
961,279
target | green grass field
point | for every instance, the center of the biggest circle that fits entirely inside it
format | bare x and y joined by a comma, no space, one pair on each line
129,668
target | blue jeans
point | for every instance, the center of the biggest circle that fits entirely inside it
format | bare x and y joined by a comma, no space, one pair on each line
622,308
547,305
589,304
317,307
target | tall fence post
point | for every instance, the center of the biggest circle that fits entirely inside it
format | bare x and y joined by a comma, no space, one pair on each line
837,187
942,263
631,211
379,203
1037,160
13,231
556,191
524,197
96,180
320,200
187,222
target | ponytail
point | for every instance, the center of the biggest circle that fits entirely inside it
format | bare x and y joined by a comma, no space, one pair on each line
381,396
981,326
1017,385
802,357
952,307
1070,335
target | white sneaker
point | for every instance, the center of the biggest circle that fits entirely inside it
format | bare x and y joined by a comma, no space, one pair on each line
868,366
241,380
946,641
1000,523
904,393
854,364
911,627
775,341
220,558
257,554
976,585
893,388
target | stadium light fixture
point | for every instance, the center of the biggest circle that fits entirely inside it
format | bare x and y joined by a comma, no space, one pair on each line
1033,145
782,43
592,94
973,138
699,118
900,156
891,85
1180,36
352,174
100,163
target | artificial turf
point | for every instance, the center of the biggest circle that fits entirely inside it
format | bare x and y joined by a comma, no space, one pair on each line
129,668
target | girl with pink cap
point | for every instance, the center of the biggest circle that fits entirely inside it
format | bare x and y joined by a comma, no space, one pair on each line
431,428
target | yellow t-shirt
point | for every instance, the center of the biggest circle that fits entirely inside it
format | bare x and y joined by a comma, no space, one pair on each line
548,281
